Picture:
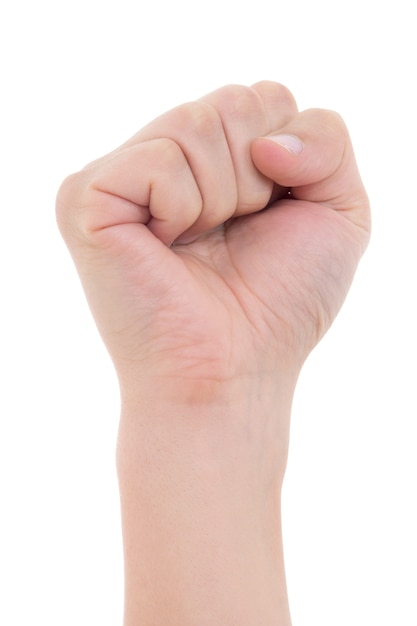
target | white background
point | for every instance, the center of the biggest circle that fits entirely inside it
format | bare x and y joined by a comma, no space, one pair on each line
79,78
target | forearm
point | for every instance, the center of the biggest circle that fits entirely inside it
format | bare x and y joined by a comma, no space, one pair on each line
201,522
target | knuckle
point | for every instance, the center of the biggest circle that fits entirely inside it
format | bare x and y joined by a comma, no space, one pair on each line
64,205
238,100
76,207
170,156
328,121
199,119
276,92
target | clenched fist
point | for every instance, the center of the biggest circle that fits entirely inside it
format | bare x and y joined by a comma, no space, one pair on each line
215,248
220,241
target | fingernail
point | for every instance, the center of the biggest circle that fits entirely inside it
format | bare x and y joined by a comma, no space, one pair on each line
293,144
183,241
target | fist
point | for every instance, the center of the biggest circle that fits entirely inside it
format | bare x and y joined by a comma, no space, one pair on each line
220,241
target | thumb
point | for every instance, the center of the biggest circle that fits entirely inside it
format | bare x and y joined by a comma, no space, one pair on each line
313,157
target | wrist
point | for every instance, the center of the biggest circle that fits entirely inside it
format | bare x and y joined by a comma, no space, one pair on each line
144,391
200,497
210,418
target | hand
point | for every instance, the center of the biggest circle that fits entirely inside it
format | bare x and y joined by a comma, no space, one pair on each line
274,238
215,248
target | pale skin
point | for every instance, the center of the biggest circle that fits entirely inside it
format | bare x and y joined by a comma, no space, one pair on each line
215,248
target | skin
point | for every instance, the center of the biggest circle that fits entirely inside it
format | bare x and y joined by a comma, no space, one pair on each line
214,258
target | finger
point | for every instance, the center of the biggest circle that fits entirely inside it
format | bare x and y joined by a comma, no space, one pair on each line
248,112
148,183
215,134
197,129
313,157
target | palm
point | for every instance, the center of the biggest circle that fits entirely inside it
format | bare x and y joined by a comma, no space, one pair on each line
238,299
